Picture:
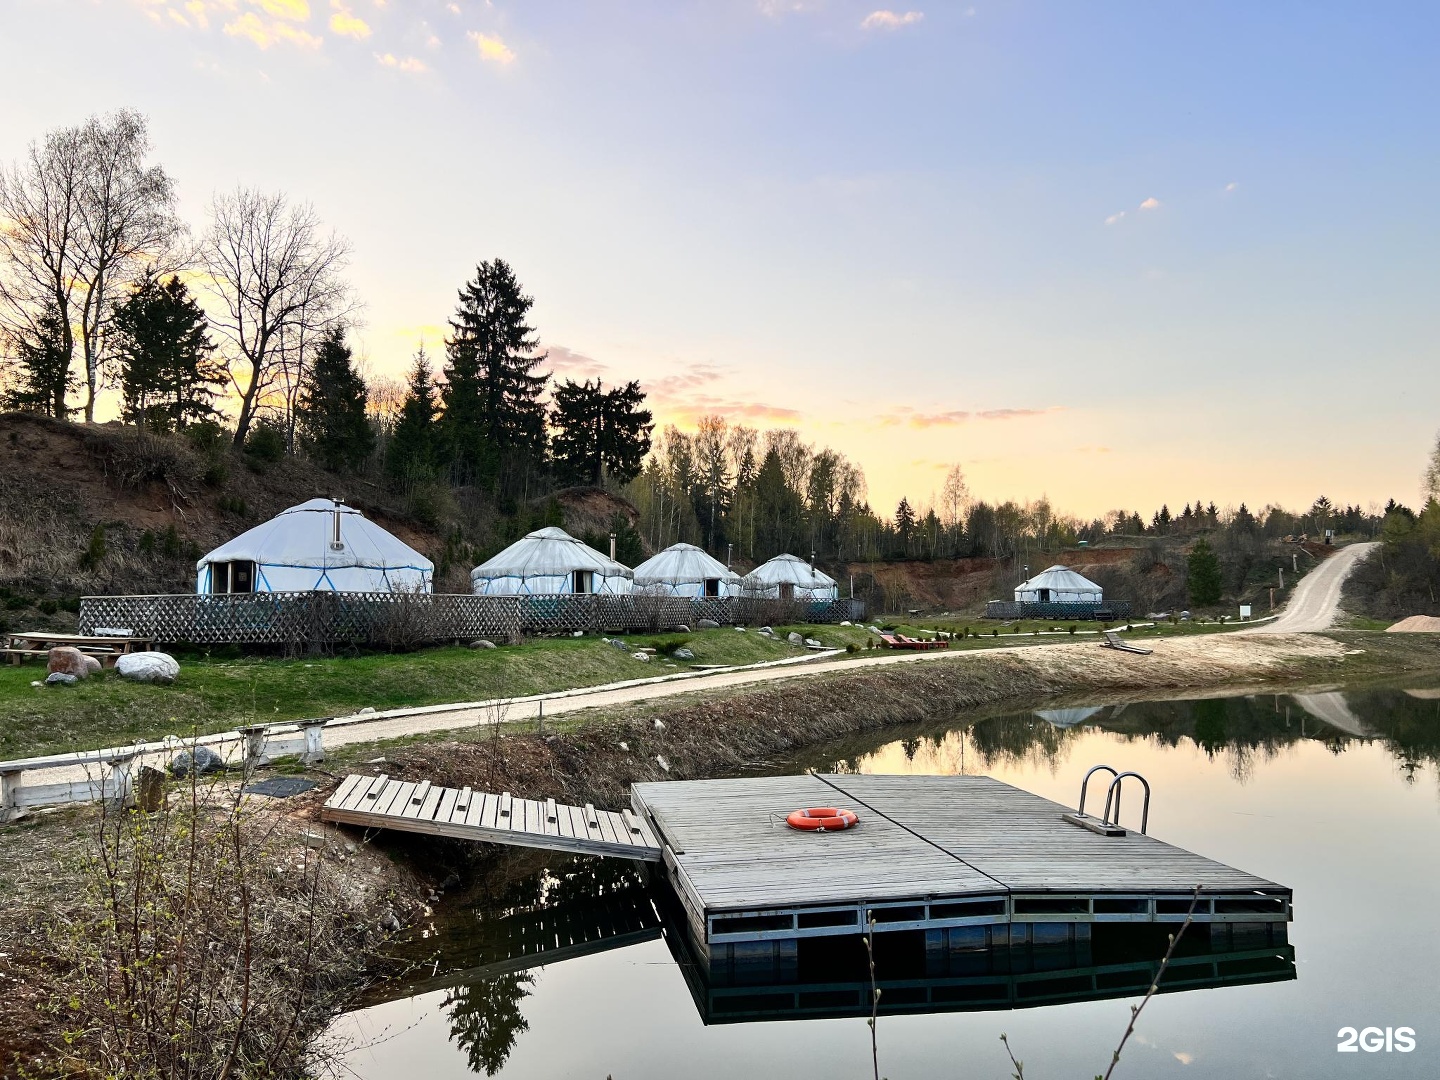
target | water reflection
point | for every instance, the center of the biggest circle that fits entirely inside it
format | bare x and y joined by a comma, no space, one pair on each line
1299,788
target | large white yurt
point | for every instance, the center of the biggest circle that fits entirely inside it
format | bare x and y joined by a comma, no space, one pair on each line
549,561
1058,585
787,578
686,570
319,546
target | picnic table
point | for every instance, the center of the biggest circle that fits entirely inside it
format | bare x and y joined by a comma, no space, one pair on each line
105,648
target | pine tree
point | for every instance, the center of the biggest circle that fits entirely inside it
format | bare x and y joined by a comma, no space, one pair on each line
494,418
167,375
1204,566
904,524
414,453
41,368
331,410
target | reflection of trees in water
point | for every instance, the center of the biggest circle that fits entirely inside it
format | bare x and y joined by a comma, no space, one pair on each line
485,1019
1241,731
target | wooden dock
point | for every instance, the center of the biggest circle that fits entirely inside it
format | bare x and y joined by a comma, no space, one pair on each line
930,852
382,802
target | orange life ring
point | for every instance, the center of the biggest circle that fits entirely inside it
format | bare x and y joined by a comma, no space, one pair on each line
822,819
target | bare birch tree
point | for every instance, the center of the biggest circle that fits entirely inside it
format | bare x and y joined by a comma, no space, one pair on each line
276,280
954,498
80,217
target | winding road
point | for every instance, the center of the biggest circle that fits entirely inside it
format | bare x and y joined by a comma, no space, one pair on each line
1315,603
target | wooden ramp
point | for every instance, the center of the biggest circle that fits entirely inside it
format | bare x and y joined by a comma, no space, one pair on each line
382,802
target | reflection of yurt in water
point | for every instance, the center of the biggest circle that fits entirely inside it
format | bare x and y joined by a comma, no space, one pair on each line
546,562
1066,718
319,546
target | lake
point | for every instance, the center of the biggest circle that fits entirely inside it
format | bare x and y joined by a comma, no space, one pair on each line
1333,793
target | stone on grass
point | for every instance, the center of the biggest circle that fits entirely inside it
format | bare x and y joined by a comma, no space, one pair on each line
708,624
202,758
683,654
795,639
765,630
617,643
681,628
148,667
810,641
846,622
482,644
92,665
60,678
68,661
643,657
150,790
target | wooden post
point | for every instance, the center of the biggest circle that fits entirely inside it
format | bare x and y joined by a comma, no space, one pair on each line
314,741
254,746
121,779
10,793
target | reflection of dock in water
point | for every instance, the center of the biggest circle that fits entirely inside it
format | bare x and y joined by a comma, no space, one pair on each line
1332,709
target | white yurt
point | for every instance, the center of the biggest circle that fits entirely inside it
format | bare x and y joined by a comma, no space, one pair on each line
549,561
1058,585
787,578
319,546
686,570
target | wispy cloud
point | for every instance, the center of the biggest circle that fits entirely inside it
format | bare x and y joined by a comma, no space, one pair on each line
411,64
904,416
568,364
1233,185
1115,218
890,20
264,34
294,10
347,24
1151,203
685,397
492,50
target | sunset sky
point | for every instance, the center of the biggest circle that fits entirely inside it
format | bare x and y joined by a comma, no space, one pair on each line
1117,254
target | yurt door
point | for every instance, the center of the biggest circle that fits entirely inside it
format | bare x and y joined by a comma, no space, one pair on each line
582,581
1044,596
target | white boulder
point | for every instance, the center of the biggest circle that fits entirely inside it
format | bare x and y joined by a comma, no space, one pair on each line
148,667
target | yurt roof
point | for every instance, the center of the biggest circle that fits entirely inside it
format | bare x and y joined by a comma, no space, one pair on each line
549,552
790,570
1060,578
682,564
301,536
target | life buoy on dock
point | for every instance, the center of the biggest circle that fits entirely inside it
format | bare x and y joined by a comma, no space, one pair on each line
822,819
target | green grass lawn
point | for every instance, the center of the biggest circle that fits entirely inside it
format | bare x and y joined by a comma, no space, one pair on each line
214,694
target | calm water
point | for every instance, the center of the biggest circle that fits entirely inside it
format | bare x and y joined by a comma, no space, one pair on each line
1336,795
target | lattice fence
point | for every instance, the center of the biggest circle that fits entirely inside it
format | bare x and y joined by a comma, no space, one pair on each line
1102,611
407,620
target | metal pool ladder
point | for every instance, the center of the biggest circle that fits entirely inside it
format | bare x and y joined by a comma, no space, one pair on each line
1108,824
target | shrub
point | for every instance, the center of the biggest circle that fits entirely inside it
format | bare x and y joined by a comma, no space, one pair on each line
265,443
1072,628
15,603
70,603
995,632
94,554
667,645
850,647
170,543
48,607
146,546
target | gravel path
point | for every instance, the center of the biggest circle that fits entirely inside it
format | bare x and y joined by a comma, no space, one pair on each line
1316,601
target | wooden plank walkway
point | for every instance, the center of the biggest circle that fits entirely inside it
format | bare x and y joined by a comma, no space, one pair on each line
382,802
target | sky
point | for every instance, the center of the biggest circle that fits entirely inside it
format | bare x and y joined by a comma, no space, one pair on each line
1112,254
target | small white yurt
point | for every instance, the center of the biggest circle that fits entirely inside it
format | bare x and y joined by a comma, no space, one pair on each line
546,562
319,546
686,570
1058,585
787,578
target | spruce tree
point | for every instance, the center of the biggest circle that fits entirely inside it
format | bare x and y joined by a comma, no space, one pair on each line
600,433
40,373
1205,583
331,410
414,454
494,418
168,378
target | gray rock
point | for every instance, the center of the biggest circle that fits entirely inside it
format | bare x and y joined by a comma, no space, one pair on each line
92,665
794,638
681,628
148,667
810,641
765,630
617,643
482,644
708,624
683,654
60,678
643,657
204,760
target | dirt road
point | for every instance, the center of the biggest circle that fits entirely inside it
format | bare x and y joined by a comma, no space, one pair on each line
1316,601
